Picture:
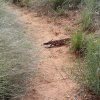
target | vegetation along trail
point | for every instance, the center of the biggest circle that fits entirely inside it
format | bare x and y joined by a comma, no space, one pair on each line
16,53
49,50
50,82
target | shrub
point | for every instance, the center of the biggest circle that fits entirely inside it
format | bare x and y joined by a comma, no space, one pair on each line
66,3
71,4
97,7
59,7
90,66
87,14
87,72
57,3
61,12
77,42
90,4
86,19
25,2
22,2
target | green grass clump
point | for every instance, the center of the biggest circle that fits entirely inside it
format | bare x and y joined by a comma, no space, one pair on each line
89,75
25,2
22,2
86,19
57,3
66,4
87,72
90,4
77,42
61,12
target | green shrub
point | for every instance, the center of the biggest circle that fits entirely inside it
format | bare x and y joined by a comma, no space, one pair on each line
60,6
61,12
25,2
22,2
87,14
77,42
72,4
57,3
97,7
87,72
86,19
90,4
90,67
66,3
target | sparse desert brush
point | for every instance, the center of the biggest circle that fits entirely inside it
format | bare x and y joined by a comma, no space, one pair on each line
87,15
16,60
25,2
22,2
61,12
91,65
57,3
87,71
90,4
86,19
77,44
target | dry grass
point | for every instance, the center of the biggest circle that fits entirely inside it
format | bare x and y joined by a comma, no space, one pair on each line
16,56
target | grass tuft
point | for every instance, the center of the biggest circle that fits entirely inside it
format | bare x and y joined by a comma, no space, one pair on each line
87,72
86,19
78,43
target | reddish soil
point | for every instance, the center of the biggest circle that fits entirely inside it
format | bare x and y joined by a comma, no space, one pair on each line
50,81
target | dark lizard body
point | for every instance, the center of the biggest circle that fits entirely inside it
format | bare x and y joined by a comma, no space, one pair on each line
56,43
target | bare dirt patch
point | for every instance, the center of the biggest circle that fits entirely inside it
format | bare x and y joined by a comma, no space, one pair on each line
50,82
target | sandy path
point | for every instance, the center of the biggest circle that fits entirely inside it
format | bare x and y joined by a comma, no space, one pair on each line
50,82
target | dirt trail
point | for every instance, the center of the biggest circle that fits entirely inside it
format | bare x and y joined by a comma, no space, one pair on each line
50,82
